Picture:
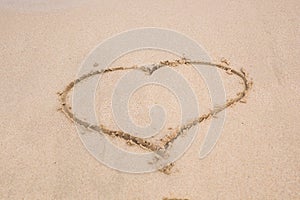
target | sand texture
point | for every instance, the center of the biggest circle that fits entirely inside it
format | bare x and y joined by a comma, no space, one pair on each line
42,46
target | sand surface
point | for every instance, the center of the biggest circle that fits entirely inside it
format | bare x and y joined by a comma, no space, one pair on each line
42,47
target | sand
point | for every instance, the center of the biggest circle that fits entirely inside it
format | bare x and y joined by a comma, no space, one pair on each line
42,47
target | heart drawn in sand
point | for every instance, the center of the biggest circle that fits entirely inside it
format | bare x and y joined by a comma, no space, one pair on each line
159,154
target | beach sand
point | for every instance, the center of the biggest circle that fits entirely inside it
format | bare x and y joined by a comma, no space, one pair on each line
42,47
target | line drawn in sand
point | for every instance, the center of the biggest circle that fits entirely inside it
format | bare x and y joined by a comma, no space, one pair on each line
162,146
